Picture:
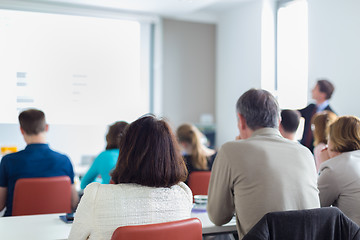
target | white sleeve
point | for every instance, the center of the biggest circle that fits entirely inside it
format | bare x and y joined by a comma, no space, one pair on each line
84,215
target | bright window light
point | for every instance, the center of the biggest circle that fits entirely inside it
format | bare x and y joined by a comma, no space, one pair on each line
267,47
292,55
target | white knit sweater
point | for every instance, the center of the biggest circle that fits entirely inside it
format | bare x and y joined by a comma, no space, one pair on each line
104,207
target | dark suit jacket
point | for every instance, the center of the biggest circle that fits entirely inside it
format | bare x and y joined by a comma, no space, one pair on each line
307,113
314,224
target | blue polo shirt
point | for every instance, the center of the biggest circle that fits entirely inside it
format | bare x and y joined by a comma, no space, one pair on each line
36,160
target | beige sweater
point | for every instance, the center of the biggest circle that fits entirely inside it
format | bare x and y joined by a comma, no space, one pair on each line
258,175
339,184
104,207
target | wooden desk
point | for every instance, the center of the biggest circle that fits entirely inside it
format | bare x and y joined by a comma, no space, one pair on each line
49,227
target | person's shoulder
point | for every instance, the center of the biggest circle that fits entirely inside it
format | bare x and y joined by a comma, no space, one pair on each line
12,156
309,107
328,108
91,191
336,163
183,188
103,154
231,151
233,144
109,152
59,156
299,147
92,186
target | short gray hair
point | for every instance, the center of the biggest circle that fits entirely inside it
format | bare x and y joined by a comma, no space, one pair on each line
259,108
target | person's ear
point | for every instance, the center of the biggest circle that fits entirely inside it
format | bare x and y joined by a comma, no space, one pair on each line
281,129
241,122
46,127
22,131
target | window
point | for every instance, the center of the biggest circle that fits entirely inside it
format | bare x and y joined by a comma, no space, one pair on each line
292,55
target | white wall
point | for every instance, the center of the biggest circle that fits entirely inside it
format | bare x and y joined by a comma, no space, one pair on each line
334,50
238,63
73,140
188,70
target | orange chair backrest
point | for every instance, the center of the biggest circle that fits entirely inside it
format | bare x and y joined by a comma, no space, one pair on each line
199,182
42,196
189,229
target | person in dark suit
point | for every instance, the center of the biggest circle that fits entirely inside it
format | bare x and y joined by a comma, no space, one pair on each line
321,93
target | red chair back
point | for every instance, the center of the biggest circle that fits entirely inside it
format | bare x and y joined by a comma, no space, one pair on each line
199,182
42,196
189,229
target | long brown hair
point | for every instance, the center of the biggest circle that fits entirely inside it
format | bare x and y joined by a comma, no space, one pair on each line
188,133
114,134
150,155
322,121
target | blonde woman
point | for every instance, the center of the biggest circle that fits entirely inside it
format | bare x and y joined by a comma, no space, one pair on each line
197,156
321,122
339,176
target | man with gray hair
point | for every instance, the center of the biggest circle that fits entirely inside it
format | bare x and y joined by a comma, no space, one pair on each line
262,172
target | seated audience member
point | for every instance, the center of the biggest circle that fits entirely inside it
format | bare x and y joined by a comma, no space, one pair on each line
36,160
148,184
289,123
261,173
197,156
106,160
321,122
339,175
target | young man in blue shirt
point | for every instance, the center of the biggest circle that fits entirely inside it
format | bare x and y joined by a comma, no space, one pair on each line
36,160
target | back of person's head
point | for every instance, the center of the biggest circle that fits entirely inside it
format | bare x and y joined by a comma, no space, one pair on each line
345,134
321,122
114,134
259,108
150,155
191,135
32,121
326,87
290,120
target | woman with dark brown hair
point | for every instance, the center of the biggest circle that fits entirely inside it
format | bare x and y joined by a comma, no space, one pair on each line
148,185
106,160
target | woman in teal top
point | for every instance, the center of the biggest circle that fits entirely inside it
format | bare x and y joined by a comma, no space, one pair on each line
106,160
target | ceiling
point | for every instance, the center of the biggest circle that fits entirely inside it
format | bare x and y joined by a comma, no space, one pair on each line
154,6
194,10
206,9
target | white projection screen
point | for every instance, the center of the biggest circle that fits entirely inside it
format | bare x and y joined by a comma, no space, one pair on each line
78,70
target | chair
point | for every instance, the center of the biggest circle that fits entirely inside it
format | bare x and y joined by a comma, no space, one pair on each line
189,229
315,224
199,182
42,196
